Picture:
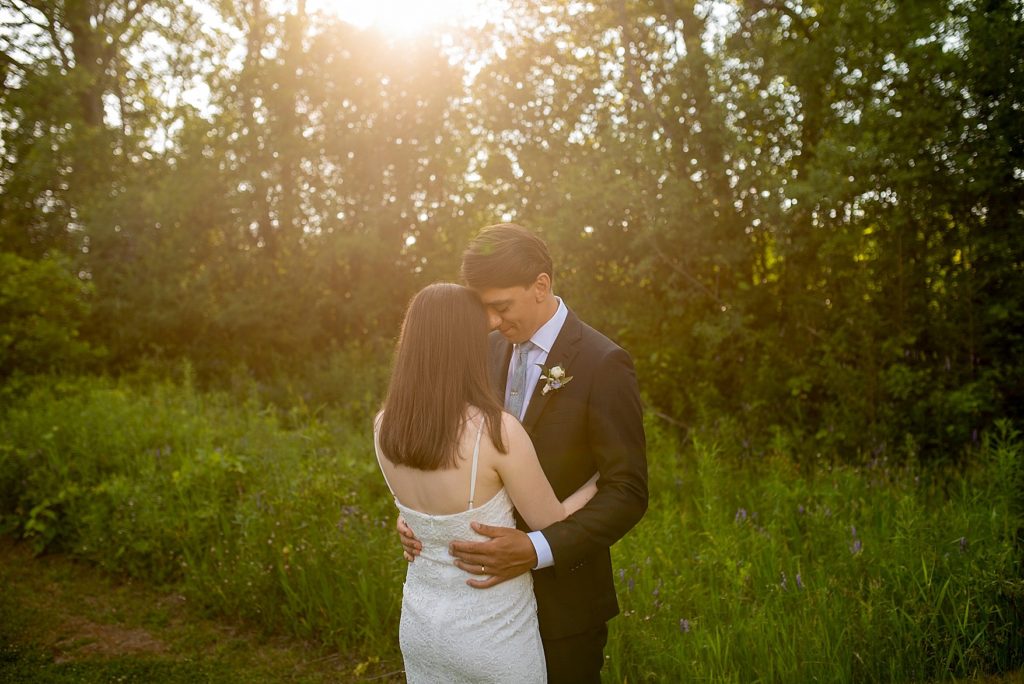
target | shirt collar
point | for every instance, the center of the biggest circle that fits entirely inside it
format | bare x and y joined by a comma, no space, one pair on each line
547,334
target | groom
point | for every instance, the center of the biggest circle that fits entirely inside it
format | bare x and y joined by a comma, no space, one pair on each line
589,423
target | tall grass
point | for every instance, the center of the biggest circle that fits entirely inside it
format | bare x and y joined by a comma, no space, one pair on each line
746,571
282,520
743,570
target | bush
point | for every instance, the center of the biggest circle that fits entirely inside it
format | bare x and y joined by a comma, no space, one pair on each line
42,305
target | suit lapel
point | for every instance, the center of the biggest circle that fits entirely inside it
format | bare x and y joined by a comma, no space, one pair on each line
562,353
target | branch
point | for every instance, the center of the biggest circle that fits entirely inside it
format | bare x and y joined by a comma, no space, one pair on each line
781,7
31,21
48,10
51,29
682,271
50,13
629,44
22,24
667,418
130,13
8,62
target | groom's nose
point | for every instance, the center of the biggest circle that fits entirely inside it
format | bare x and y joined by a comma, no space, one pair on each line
493,320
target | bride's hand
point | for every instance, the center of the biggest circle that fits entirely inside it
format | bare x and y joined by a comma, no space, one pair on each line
411,546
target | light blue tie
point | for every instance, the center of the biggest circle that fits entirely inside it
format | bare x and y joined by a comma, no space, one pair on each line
517,389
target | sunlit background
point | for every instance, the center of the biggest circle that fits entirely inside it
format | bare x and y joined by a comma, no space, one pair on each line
736,191
407,17
802,219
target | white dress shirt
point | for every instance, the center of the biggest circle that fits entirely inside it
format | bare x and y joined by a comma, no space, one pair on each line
542,340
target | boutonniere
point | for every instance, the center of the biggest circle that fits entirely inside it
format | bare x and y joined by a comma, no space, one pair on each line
553,378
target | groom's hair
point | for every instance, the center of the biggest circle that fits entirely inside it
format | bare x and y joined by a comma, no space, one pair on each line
505,255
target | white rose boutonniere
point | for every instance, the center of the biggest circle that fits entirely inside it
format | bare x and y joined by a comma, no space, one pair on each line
554,378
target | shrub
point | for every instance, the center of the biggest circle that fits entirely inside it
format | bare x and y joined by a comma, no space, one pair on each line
42,305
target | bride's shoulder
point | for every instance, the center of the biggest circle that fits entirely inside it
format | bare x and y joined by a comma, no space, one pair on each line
511,429
513,434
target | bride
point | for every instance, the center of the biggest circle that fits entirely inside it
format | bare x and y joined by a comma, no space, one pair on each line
450,455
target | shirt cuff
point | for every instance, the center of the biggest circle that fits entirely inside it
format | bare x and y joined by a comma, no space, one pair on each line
545,559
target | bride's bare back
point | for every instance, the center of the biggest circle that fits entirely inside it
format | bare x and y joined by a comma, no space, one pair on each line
446,491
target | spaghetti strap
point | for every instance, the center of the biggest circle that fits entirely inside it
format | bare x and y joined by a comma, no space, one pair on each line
376,449
476,456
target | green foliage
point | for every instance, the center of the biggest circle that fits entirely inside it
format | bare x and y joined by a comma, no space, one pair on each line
744,569
784,216
42,305
802,215
280,526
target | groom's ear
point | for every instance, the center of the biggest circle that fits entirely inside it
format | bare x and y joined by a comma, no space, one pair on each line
542,287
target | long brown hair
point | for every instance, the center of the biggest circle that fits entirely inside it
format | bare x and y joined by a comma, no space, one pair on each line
440,370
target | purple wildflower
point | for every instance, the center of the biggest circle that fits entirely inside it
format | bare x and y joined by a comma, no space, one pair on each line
684,626
631,584
741,515
856,546
347,512
799,581
783,583
800,509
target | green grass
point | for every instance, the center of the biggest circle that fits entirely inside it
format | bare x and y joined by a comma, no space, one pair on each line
32,666
754,572
743,570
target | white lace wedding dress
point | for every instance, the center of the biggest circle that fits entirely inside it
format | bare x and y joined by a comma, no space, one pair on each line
451,632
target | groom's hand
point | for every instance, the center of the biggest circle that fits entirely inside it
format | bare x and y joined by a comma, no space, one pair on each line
411,546
507,554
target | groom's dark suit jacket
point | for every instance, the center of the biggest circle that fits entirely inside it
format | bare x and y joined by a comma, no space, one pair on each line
593,423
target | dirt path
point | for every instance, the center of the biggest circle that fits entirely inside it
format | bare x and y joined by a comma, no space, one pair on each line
66,621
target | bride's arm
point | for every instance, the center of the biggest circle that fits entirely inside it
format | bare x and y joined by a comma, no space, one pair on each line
527,485
581,496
